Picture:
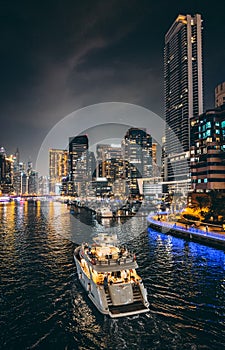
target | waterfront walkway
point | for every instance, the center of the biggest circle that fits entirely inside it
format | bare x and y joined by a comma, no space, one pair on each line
209,235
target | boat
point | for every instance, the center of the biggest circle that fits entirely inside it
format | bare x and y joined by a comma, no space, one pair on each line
108,274
104,212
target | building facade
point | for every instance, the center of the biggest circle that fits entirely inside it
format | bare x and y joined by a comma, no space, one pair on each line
78,147
82,166
183,92
110,165
6,173
220,95
137,153
58,169
208,150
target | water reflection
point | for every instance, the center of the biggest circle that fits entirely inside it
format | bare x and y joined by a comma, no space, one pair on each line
43,305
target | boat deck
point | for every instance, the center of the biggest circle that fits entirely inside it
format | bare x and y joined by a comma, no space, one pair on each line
129,308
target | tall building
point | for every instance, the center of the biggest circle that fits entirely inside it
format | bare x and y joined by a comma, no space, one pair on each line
43,185
78,147
19,177
109,162
32,182
220,95
58,169
137,151
6,172
17,158
156,169
81,166
208,150
110,165
183,91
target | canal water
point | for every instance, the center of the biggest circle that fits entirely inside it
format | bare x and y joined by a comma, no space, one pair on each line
43,306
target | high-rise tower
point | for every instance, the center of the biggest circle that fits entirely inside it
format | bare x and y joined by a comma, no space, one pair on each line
183,91
58,168
78,148
79,169
137,151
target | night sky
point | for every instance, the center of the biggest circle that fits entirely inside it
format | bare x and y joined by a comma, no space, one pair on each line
58,56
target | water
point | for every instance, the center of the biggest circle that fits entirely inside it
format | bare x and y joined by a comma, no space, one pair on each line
43,306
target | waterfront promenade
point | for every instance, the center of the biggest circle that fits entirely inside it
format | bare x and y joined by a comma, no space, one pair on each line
204,234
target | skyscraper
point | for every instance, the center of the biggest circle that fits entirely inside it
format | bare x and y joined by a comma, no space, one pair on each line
110,164
81,166
6,172
78,147
58,168
137,151
183,91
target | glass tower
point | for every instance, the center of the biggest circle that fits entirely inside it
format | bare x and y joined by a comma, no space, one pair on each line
183,91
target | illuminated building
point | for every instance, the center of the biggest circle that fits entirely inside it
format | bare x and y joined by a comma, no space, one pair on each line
58,168
208,150
32,180
137,152
156,169
43,185
19,177
110,165
6,172
183,91
102,187
220,95
81,167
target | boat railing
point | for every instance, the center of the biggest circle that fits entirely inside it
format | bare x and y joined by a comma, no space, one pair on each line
112,261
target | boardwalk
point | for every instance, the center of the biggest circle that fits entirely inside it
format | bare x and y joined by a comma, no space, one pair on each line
202,234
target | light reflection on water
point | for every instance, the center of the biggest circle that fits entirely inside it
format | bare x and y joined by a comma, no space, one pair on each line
43,305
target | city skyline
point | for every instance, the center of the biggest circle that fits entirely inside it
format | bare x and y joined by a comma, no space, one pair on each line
40,85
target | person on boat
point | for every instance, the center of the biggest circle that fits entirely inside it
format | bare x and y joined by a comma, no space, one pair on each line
85,246
133,281
120,254
124,274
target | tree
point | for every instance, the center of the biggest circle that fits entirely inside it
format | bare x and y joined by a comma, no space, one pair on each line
217,204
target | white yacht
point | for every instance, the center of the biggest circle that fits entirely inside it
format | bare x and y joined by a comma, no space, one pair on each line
104,212
108,274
